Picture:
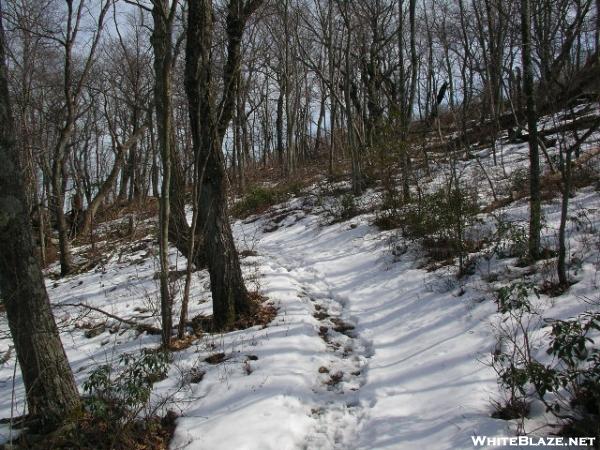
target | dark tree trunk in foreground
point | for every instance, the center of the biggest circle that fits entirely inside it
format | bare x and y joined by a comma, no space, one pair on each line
230,298
51,391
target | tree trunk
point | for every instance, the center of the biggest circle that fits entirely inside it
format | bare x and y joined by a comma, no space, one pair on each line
534,157
279,121
356,170
230,298
320,120
597,34
179,229
58,204
154,169
566,182
161,41
407,106
563,279
49,385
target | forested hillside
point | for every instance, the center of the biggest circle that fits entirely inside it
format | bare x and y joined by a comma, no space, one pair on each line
299,224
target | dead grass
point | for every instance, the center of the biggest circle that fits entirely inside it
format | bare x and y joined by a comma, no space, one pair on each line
497,204
183,343
142,211
262,315
91,433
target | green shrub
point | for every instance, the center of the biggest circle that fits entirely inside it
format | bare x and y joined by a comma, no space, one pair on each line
441,220
389,216
572,377
256,199
439,213
512,240
117,413
515,296
260,198
519,182
346,206
119,395
339,206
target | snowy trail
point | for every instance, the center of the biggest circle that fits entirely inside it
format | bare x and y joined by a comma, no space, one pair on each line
337,384
415,378
367,351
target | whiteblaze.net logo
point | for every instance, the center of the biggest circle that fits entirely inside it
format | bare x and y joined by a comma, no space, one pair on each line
527,441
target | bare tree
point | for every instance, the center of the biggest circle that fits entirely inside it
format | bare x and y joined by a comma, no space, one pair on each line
163,13
535,212
73,84
209,122
49,385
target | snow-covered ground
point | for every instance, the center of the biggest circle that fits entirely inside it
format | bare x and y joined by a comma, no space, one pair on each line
368,350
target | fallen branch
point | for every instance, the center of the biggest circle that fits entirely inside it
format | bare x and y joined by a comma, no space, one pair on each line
138,326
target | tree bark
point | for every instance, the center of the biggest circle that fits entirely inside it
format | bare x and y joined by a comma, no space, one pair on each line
179,229
356,171
597,33
161,40
230,298
534,157
58,202
49,385
279,120
563,279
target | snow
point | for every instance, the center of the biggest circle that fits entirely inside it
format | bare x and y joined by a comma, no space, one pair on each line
368,349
